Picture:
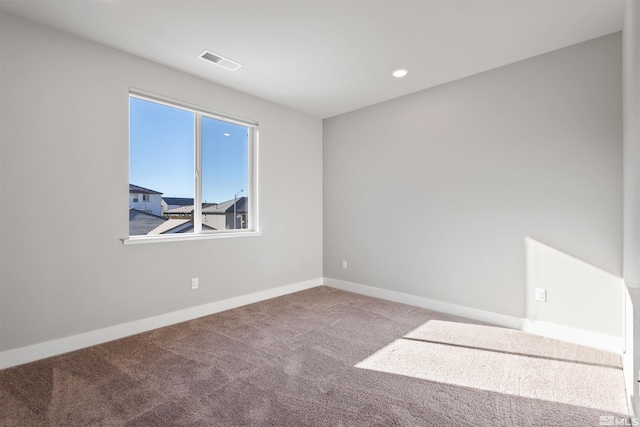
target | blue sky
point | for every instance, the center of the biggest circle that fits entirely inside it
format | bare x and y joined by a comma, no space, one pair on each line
161,153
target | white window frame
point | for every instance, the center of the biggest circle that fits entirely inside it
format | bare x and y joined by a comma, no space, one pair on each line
253,228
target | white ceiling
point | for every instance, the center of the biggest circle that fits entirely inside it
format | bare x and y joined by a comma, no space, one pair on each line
328,57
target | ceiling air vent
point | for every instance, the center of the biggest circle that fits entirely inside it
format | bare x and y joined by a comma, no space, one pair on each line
220,60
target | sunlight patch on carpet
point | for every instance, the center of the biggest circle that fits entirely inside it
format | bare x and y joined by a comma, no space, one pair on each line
506,361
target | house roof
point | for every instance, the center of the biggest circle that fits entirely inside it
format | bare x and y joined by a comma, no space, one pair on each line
241,205
178,201
141,190
141,223
213,208
181,210
169,226
217,208
189,229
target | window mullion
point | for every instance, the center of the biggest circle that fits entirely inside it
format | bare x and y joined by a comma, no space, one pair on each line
253,215
197,200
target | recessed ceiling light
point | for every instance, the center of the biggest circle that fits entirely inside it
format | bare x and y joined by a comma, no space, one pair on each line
400,72
227,134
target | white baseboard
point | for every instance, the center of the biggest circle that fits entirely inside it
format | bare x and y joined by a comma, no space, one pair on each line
46,349
550,330
574,335
431,304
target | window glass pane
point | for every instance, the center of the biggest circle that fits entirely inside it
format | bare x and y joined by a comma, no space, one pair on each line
225,175
161,162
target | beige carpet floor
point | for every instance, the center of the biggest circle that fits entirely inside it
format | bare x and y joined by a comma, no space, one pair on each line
321,357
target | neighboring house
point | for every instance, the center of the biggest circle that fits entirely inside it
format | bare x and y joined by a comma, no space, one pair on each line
180,212
175,202
141,223
220,215
217,216
172,226
214,215
145,200
240,213
189,228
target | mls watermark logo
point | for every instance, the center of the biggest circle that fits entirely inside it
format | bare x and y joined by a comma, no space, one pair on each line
607,420
612,420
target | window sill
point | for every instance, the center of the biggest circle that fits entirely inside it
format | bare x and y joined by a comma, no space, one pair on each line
138,240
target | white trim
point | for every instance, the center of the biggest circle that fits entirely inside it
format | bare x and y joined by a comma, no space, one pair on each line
183,105
574,335
254,165
430,304
197,175
550,330
628,365
34,352
182,237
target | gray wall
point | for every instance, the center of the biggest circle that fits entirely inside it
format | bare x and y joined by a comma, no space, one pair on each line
632,144
632,193
470,169
64,133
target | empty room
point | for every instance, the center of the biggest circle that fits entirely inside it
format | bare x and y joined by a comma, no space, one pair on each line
319,213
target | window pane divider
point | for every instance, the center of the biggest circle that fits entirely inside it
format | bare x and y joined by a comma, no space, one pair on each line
197,199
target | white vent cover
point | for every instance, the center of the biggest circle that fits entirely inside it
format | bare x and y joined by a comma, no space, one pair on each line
220,60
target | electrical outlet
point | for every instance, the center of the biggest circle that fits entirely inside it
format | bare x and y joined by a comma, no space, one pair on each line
541,295
194,283
344,264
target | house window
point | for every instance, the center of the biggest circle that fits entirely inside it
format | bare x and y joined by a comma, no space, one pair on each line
179,150
135,198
